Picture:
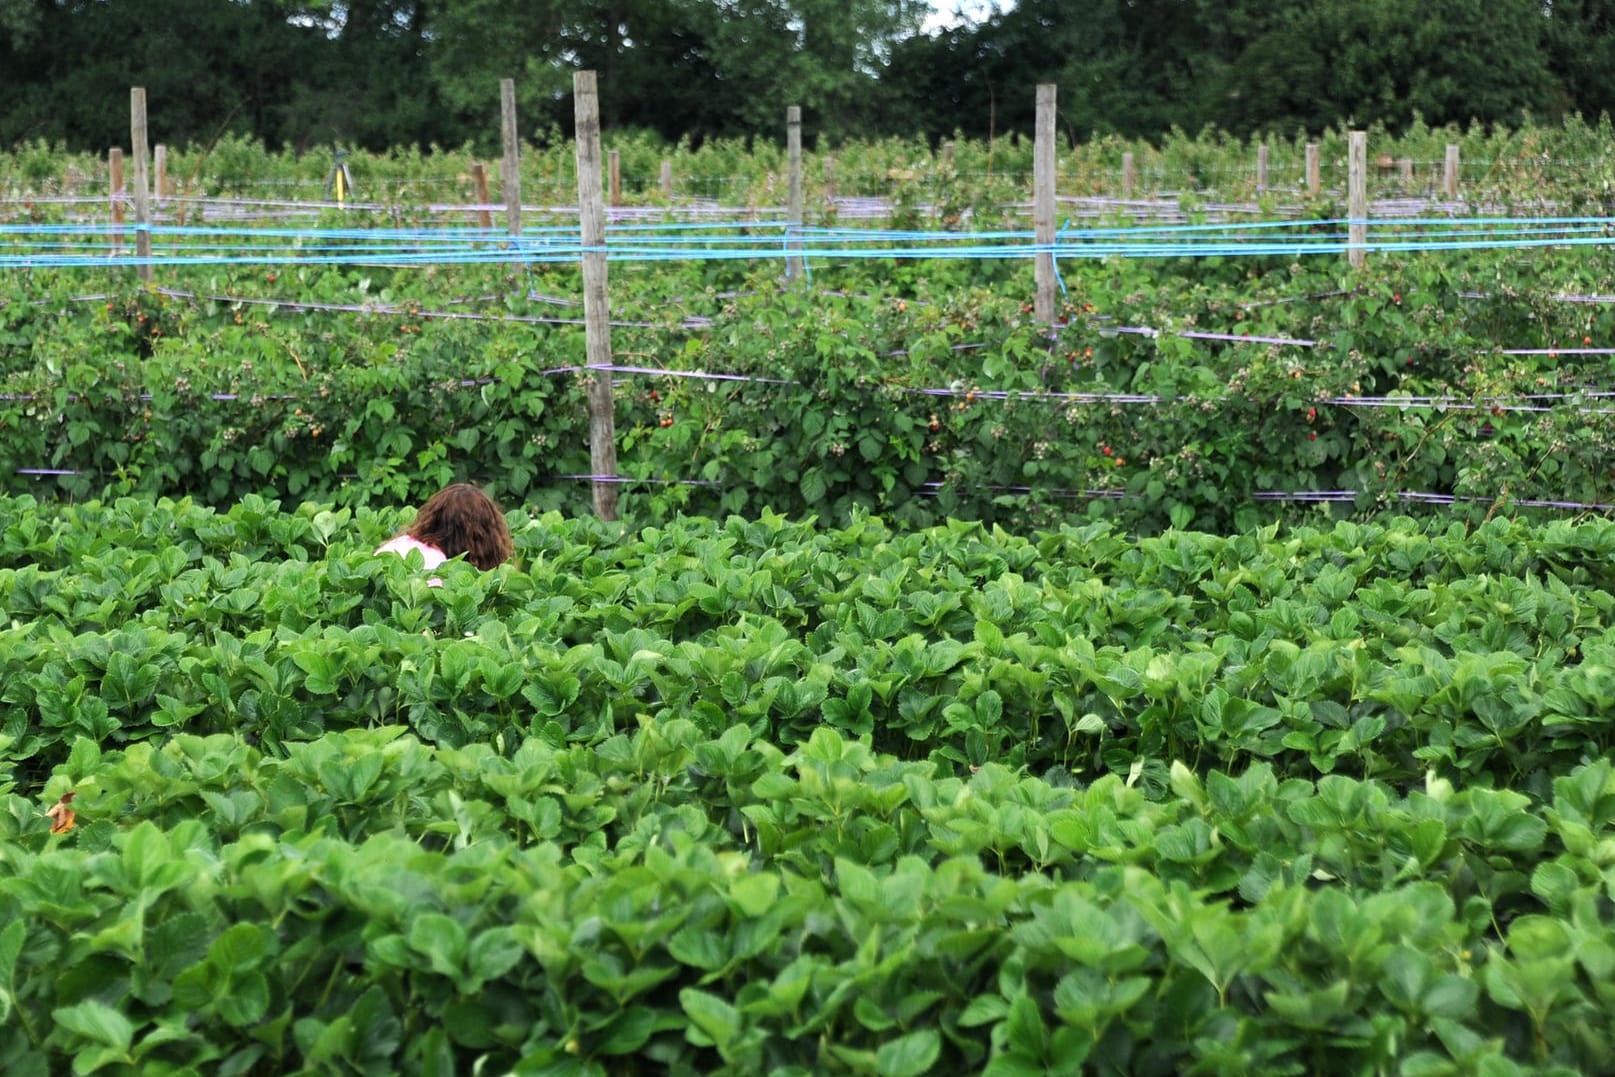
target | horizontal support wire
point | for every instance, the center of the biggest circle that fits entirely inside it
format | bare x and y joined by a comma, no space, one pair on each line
81,245
935,489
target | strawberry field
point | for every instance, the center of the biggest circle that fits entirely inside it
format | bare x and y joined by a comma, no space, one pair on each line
765,795
1215,681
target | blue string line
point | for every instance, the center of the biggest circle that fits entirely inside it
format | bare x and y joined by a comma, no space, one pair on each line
41,246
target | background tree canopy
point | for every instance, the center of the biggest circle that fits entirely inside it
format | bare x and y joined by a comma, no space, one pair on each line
380,73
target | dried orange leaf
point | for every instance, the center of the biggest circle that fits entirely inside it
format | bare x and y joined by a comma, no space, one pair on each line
62,817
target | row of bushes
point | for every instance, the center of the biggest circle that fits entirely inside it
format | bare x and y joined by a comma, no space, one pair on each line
938,398
1564,162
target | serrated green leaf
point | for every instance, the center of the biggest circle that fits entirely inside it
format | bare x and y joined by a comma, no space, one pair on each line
715,1018
754,894
910,1055
96,1021
494,952
441,939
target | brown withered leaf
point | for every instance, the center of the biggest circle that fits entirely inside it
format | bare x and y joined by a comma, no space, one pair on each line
62,817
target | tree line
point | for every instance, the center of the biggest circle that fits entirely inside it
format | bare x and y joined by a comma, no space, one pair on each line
381,73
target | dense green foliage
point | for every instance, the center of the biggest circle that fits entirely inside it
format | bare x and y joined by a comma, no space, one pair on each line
382,73
879,795
1564,166
758,797
920,390
1082,650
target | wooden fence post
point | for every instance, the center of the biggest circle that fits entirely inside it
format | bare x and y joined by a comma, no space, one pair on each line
510,169
1261,169
667,178
479,179
1314,184
596,302
793,152
1043,172
115,194
829,179
1449,172
1129,175
615,159
1357,199
159,165
137,139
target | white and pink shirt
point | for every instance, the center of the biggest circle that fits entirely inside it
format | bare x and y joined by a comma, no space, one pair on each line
405,543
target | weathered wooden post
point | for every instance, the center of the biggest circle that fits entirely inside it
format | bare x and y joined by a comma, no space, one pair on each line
667,178
794,269
596,302
1043,172
115,194
479,180
159,164
1129,175
1261,169
137,145
1314,183
615,167
510,168
1449,172
1357,199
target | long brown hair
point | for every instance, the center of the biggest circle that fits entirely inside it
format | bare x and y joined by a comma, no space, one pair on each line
462,519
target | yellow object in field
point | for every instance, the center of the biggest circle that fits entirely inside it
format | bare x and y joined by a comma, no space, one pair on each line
340,181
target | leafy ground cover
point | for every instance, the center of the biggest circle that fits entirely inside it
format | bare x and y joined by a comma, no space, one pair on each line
763,796
1383,650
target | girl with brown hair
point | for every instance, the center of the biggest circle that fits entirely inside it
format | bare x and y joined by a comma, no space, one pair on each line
458,519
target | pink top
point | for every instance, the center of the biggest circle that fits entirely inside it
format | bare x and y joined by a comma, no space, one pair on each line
405,543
